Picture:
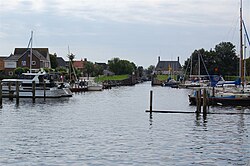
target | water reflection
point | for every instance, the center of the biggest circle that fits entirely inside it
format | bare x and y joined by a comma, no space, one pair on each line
112,128
150,119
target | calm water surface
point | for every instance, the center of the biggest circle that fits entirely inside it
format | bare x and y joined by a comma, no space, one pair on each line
112,128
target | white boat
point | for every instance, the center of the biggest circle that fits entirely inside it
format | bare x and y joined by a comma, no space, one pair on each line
45,86
90,84
233,93
93,86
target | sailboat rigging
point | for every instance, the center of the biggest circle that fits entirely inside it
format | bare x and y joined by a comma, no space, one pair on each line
71,66
239,96
45,85
242,77
30,45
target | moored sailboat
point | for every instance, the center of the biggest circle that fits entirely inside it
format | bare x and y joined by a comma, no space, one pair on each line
237,96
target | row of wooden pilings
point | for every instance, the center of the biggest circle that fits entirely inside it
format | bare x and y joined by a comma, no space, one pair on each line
11,95
201,100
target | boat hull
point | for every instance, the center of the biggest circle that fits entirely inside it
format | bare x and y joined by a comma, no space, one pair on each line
39,93
225,101
94,88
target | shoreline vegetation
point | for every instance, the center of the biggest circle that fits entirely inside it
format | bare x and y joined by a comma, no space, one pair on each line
111,78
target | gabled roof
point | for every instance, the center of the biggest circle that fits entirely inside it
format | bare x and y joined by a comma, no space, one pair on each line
13,57
39,55
166,65
79,64
61,62
3,57
43,51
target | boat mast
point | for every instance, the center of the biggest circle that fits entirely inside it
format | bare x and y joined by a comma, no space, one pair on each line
69,64
245,55
241,48
31,38
191,67
199,67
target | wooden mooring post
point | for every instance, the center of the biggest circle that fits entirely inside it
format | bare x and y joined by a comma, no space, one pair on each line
10,91
197,112
205,101
151,101
44,89
33,91
198,101
17,93
1,94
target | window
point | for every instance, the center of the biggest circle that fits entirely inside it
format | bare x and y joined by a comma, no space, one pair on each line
47,64
33,63
10,73
23,63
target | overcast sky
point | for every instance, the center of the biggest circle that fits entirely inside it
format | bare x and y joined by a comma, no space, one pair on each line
135,30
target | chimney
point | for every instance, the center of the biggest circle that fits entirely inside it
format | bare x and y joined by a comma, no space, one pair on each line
178,59
159,58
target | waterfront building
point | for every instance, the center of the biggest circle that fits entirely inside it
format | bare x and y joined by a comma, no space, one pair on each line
168,67
21,58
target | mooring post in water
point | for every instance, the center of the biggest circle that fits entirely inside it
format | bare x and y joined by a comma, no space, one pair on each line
33,91
151,101
44,89
1,95
213,93
10,92
205,98
198,101
17,92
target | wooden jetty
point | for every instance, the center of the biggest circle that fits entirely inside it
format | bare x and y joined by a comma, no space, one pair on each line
13,91
198,107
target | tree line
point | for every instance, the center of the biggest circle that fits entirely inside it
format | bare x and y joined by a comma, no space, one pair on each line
222,60
115,66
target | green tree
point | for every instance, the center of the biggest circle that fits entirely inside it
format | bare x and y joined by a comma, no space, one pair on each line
18,71
120,67
53,61
62,70
248,66
150,69
26,69
114,65
222,60
227,58
89,68
98,70
140,71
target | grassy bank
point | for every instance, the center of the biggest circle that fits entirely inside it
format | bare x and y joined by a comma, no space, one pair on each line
111,78
164,77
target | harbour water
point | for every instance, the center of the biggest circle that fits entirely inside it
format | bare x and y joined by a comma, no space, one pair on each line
112,128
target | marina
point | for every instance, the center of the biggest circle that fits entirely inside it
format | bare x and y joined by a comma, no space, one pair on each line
112,128
143,85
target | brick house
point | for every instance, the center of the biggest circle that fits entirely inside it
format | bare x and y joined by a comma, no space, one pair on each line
2,58
21,58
